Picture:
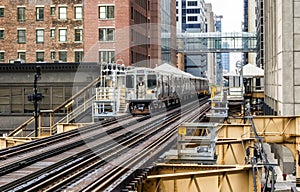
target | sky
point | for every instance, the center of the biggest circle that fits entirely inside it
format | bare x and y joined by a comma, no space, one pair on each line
232,11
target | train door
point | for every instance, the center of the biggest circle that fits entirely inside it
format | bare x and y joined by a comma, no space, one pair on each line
130,87
140,87
159,87
176,86
168,83
151,86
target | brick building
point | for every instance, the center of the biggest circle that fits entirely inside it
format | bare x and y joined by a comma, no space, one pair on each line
129,31
112,21
32,32
121,31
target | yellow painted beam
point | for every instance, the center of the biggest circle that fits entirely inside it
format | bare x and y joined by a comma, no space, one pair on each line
228,178
63,127
12,141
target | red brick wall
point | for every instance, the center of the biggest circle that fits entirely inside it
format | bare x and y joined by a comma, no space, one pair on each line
122,14
10,24
155,33
124,44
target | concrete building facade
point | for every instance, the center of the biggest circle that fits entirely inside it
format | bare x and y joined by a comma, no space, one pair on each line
282,57
211,57
249,25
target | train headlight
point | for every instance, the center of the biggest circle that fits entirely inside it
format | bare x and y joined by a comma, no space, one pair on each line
150,91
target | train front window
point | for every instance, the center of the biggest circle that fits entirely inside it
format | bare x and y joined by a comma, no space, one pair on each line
140,80
151,81
129,81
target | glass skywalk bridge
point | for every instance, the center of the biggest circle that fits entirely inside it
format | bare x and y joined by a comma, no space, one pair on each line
213,42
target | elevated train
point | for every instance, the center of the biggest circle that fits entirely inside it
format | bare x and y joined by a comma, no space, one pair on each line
148,90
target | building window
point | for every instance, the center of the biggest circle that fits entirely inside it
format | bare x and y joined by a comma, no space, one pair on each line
63,35
62,11
52,11
106,34
52,33
39,56
78,56
21,14
22,56
1,34
62,56
106,56
192,3
52,55
21,36
193,11
2,57
192,18
40,13
78,34
1,12
40,36
78,12
131,12
106,12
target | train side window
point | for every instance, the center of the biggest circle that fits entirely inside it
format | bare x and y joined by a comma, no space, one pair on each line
151,81
129,81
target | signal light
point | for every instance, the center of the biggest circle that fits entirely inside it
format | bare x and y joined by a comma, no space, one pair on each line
35,97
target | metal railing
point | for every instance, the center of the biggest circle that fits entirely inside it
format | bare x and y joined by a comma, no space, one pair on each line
21,130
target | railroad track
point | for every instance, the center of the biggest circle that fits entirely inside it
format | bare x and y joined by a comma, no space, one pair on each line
106,155
58,138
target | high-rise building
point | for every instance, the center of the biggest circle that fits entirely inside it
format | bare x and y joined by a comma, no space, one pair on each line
109,33
249,25
121,31
211,57
167,10
219,65
281,53
260,33
190,16
133,36
226,61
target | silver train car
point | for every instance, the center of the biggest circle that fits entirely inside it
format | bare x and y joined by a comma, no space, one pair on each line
148,90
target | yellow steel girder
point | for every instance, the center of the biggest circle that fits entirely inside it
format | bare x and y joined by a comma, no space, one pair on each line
199,178
232,140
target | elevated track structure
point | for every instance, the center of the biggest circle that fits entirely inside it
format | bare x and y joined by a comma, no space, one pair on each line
107,154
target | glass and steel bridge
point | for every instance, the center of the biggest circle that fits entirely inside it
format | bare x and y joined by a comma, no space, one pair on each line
214,42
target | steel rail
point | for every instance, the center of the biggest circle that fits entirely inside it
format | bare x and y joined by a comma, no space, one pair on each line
75,158
23,162
36,144
150,134
28,161
103,183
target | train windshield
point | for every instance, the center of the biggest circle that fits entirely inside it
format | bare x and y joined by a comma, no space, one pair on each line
151,81
140,80
129,81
